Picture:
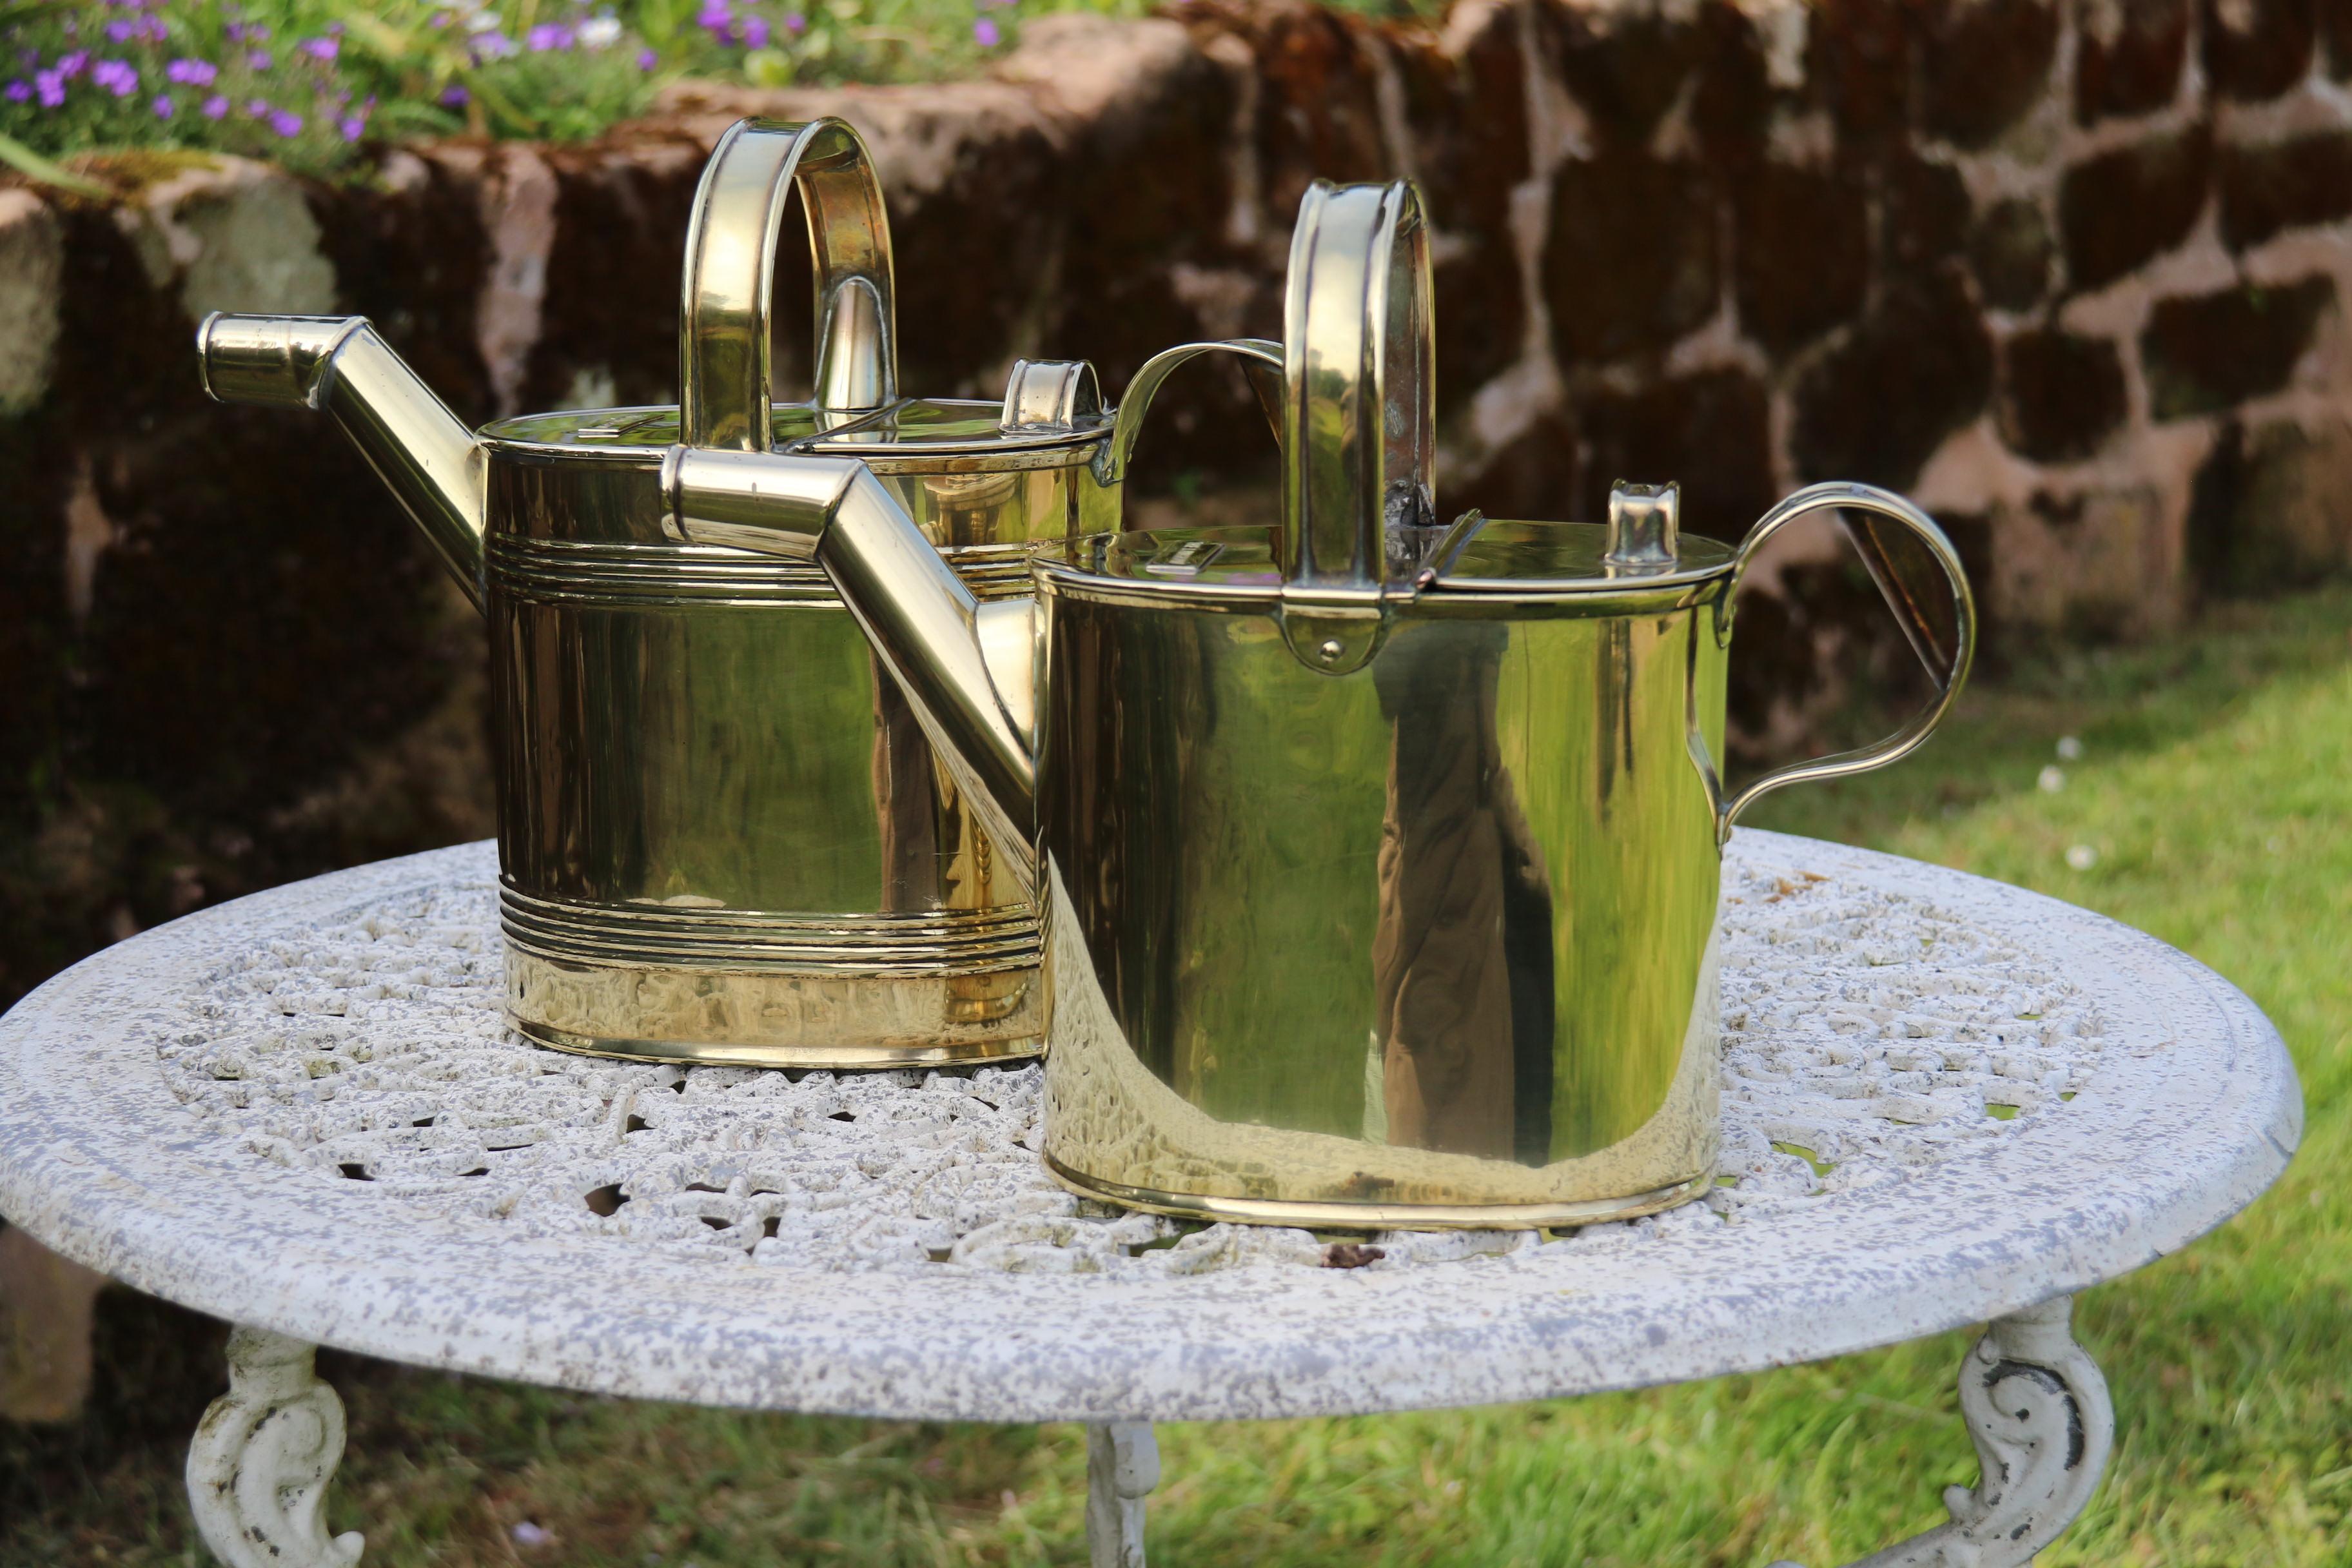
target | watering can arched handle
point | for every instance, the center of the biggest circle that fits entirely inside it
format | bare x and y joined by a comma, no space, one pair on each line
1946,651
725,397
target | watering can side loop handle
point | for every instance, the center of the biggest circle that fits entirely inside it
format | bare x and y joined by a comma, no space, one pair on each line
1949,673
725,374
1261,362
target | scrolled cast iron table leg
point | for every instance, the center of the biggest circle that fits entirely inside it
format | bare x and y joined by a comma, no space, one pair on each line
2038,1411
263,1455
1122,1467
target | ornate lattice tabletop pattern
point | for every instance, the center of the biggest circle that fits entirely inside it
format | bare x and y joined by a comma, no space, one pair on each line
1946,1101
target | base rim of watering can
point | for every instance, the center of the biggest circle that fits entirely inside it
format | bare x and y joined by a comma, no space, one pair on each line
769,1053
1311,1215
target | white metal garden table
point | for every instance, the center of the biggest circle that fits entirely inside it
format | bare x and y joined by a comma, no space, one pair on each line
300,1112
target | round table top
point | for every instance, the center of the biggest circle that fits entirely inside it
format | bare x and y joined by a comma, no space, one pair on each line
1945,1100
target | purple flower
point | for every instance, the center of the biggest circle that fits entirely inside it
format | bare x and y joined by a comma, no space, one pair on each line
51,87
984,33
237,32
215,107
647,59
260,60
320,49
258,109
192,73
20,91
718,19
71,65
755,32
549,36
117,76
286,123
490,46
454,97
122,32
352,126
795,23
164,108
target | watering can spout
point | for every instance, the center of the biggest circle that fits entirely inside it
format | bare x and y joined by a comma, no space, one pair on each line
964,667
338,364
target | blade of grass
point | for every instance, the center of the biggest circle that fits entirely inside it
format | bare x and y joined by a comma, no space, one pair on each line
32,165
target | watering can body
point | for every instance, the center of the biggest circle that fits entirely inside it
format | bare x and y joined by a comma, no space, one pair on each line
1379,861
724,839
1432,942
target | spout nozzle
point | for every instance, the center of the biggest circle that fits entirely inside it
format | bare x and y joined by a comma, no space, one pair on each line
752,500
337,366
284,361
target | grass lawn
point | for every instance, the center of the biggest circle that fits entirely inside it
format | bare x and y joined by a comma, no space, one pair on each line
2213,789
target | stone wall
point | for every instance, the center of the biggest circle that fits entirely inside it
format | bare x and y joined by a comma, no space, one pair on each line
2070,272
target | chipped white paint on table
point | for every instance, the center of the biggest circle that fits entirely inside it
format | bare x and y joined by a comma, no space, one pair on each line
300,1112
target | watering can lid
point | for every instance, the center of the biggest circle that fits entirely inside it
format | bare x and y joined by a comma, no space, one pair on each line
977,435
1476,555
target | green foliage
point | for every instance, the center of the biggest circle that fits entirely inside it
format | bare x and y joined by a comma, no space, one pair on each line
308,83
777,43
267,82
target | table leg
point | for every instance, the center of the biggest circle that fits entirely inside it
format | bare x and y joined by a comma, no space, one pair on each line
2038,1411
1122,1467
263,1455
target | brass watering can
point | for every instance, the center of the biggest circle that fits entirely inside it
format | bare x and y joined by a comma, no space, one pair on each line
723,836
1379,861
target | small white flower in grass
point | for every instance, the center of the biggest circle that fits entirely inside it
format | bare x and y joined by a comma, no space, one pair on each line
2082,856
2070,749
526,1533
2053,779
600,32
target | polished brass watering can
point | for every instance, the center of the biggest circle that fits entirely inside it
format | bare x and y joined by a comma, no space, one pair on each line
1379,861
723,836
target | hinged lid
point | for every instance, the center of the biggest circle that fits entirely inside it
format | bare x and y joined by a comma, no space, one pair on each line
1235,564
911,428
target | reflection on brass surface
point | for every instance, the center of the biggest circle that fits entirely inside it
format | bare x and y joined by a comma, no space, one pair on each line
724,835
